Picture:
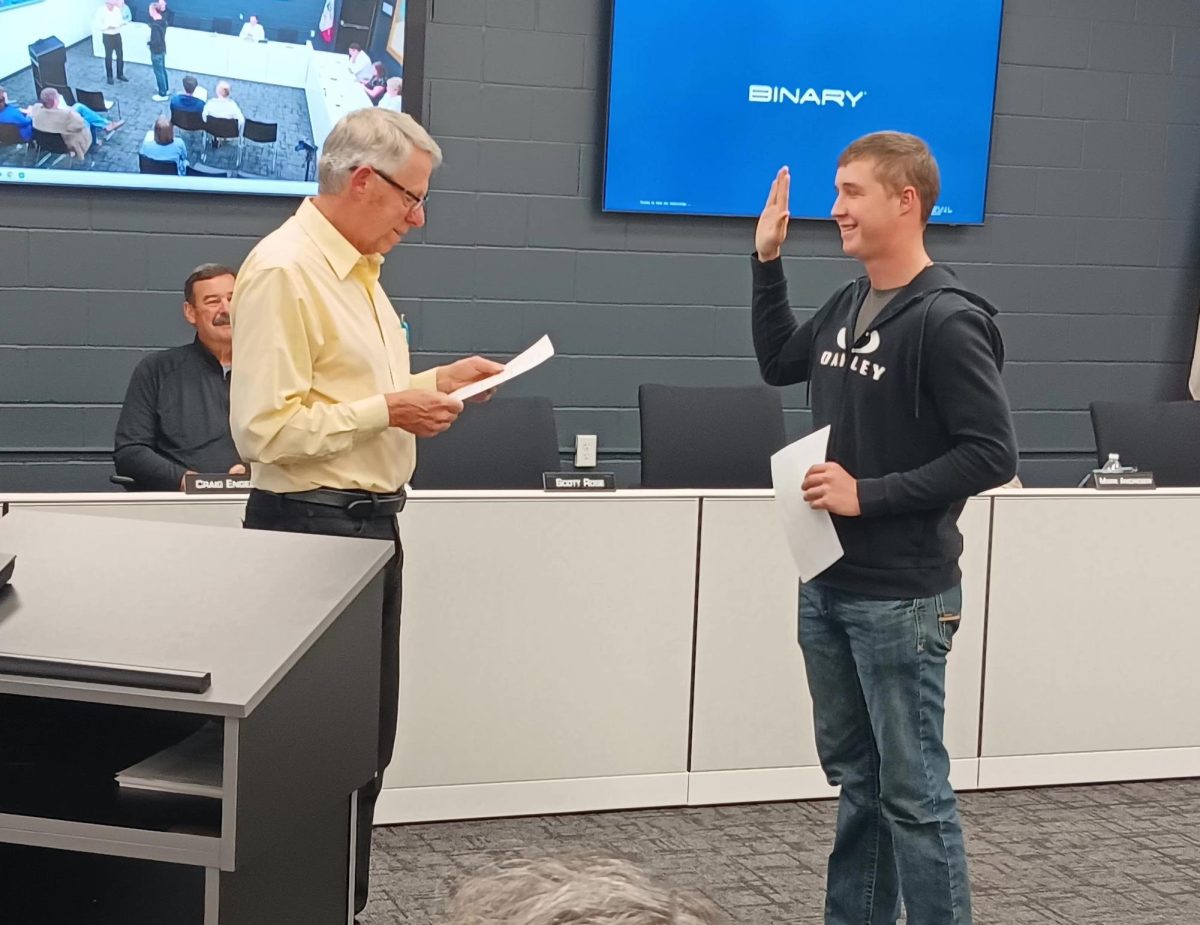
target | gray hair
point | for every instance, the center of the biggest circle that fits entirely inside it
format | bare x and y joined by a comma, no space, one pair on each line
374,137
590,891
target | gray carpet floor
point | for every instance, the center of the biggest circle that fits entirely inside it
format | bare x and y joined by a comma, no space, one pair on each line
1126,854
285,106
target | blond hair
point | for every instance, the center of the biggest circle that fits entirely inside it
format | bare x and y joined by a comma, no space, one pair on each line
589,891
371,137
901,160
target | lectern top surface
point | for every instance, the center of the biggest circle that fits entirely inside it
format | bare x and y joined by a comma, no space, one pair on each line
241,604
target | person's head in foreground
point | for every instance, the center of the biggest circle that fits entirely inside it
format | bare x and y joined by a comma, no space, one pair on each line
373,177
589,891
887,184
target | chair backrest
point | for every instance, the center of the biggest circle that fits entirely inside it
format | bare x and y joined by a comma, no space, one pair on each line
67,94
92,99
51,142
709,437
265,132
505,443
189,120
10,134
1161,437
223,26
287,35
222,128
203,170
153,165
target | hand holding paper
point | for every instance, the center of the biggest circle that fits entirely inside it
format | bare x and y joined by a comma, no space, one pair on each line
523,363
810,533
467,371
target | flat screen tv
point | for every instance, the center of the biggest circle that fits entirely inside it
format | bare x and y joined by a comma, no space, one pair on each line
708,99
268,79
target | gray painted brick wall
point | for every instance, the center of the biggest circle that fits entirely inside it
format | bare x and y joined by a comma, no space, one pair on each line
1090,246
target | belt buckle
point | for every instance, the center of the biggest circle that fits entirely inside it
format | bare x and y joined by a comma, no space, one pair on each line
363,507
374,506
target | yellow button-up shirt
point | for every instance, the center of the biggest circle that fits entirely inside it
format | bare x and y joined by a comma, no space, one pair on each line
316,345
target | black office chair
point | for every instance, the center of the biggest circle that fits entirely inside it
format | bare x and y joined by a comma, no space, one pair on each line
262,133
506,443
95,101
51,145
151,165
1160,437
222,130
190,122
291,36
719,437
203,170
187,120
125,482
10,137
223,26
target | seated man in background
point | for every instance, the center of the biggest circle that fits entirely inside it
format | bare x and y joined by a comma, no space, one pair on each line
593,891
175,419
80,126
12,114
160,144
252,31
193,97
391,99
361,65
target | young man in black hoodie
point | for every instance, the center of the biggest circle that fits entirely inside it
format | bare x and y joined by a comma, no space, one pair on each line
904,365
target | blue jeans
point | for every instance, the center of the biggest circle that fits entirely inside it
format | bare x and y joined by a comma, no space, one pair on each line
96,122
159,63
877,675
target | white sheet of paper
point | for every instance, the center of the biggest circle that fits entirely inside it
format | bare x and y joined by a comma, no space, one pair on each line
810,534
522,363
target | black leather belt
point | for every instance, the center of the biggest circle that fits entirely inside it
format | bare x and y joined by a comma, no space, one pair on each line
358,504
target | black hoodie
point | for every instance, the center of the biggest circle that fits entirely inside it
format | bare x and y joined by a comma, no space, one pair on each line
918,416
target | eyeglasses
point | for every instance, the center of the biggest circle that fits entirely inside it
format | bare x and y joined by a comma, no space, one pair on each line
414,201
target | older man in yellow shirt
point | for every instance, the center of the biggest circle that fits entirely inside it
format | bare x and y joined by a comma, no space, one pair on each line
324,406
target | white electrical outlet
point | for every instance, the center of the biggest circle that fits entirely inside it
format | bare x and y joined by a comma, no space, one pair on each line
585,451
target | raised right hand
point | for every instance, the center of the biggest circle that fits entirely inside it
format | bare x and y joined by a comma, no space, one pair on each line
773,223
422,412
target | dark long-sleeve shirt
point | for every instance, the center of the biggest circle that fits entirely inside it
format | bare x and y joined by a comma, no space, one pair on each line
175,418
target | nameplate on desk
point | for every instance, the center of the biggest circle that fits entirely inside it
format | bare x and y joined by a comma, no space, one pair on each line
215,484
579,481
1123,481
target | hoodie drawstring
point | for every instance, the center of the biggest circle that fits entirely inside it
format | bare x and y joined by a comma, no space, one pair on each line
920,351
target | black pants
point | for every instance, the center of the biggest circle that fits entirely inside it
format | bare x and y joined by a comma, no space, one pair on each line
265,511
113,44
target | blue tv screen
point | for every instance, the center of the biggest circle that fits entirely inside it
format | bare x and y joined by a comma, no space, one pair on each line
708,99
